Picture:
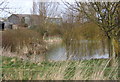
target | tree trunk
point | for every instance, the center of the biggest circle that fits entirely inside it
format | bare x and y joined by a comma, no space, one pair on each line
111,49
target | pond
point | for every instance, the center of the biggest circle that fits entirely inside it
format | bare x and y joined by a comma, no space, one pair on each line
58,52
61,52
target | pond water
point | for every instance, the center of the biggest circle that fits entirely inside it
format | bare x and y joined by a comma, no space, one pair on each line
58,52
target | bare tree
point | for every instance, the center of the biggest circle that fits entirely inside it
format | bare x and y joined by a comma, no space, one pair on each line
44,10
6,8
3,5
104,14
34,8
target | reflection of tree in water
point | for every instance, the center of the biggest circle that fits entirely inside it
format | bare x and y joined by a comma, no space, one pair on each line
85,48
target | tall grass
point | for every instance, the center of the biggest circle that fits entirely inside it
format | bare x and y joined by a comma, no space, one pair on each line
20,38
61,70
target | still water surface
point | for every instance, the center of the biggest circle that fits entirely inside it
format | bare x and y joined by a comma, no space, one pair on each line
59,52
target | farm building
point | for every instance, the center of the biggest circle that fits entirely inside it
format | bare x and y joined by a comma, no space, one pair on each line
27,19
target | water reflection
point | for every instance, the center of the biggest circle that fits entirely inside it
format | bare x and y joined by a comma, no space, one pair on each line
57,53
83,50
76,51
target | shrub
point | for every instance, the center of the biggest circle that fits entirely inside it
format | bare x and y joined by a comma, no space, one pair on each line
54,30
49,28
86,31
40,29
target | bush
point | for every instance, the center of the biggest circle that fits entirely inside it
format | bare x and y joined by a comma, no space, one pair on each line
88,31
40,29
54,30
19,38
49,28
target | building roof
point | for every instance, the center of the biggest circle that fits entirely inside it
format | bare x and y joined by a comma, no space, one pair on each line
31,15
25,15
36,17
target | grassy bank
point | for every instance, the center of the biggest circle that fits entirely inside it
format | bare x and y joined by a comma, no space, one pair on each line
17,69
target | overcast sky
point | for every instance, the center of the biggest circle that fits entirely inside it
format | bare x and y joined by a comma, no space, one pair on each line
25,6
17,6
20,6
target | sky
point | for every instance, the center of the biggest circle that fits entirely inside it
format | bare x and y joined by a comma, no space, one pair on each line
24,6
19,6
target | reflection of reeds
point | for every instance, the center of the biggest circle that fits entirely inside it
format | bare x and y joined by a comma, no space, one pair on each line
61,70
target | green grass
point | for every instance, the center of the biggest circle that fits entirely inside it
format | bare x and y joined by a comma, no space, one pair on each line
17,69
